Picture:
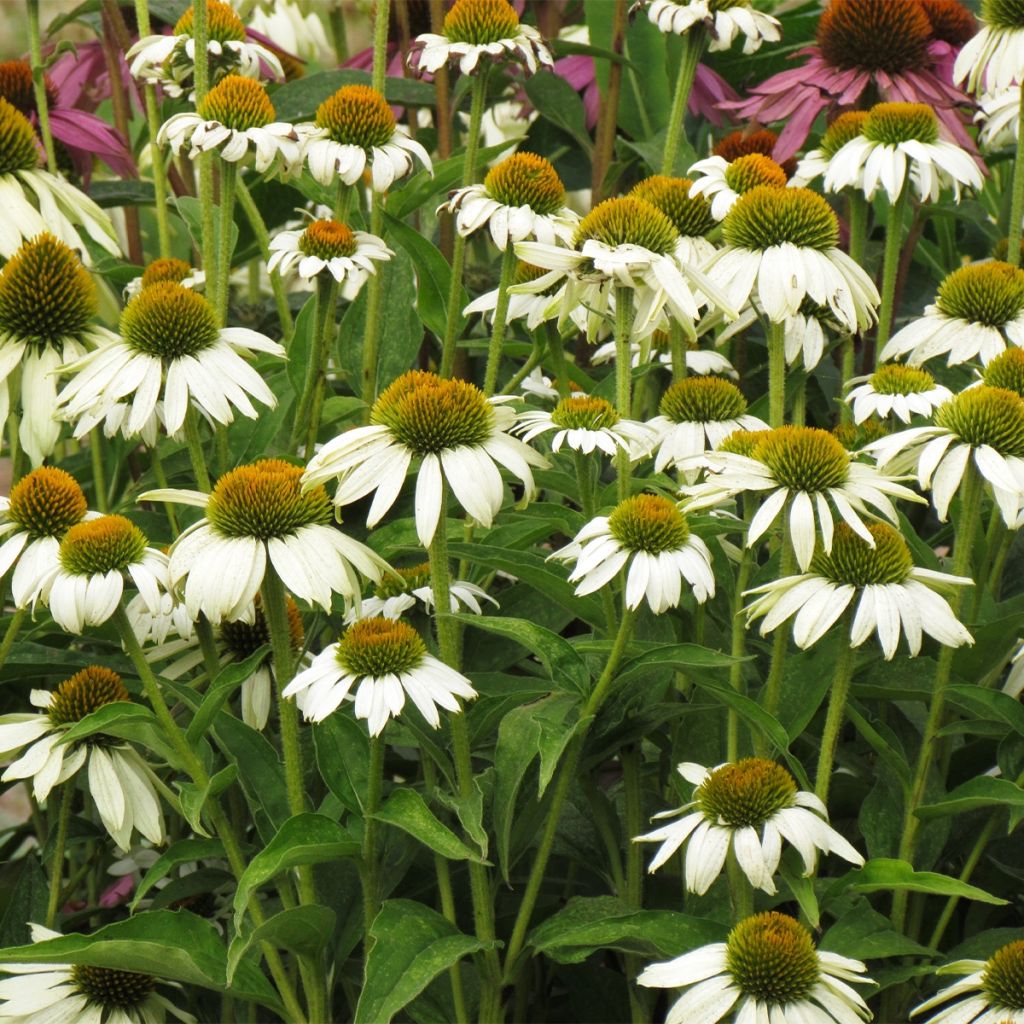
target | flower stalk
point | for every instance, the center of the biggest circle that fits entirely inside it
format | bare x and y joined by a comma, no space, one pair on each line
693,50
1017,192
891,263
316,367
776,374
842,676
508,270
57,858
35,44
623,377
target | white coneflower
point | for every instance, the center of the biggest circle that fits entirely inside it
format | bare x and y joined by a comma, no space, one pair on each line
169,269
690,214
534,308
154,626
748,807
768,970
893,597
170,350
895,390
42,507
47,302
627,243
294,29
328,247
697,414
169,60
236,120
978,313
118,779
384,661
808,473
476,33
900,142
86,585
34,200
82,993
998,116
816,162
521,197
699,361
459,437
649,537
1006,371
396,594
723,181
257,513
981,427
782,248
994,58
724,20
354,131
990,991
804,336
587,424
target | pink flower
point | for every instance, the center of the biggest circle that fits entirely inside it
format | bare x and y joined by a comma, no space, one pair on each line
887,47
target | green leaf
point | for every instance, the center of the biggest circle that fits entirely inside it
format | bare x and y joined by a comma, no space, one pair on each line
298,100
301,345
558,102
433,275
884,874
991,705
26,899
181,852
343,754
412,946
120,715
191,212
122,192
303,930
406,809
174,945
193,797
564,666
228,680
588,924
864,934
303,839
983,791
684,656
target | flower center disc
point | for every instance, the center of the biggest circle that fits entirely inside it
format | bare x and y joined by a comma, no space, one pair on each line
1003,14
894,379
878,35
746,172
985,293
380,647
736,144
845,128
265,499
743,442
245,638
84,693
950,20
690,217
854,436
986,415
892,123
479,22
853,561
584,413
702,400
239,103
111,989
1003,980
327,239
168,269
649,522
628,221
169,321
17,88
357,115
772,959
107,544
767,216
45,292
18,150
428,414
746,793
407,580
223,25
47,502
804,458
1007,371
525,179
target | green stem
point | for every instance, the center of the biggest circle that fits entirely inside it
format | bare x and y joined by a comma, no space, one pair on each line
208,231
560,790
693,50
195,450
780,641
971,493
99,473
371,832
559,365
741,893
381,11
201,38
57,860
738,650
156,464
316,367
35,46
631,760
508,271
846,372
226,221
160,189
476,113
534,359
890,264
858,224
259,229
374,292
677,349
623,377
776,374
1017,192
799,414
841,679
11,633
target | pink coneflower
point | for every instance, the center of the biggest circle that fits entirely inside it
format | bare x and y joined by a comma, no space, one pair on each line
866,49
81,134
